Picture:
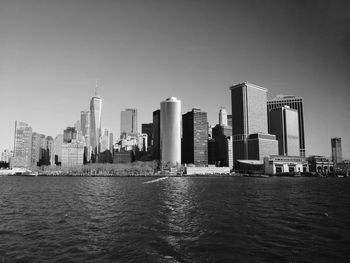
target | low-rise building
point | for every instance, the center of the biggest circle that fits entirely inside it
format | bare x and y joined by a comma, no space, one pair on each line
320,164
280,164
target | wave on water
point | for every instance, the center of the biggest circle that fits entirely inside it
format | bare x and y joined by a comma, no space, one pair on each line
156,180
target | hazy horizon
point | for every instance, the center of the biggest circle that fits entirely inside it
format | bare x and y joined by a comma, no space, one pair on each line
143,52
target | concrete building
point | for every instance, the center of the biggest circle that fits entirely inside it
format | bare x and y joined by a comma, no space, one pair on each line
147,128
223,116
170,131
229,120
294,103
69,134
128,122
249,123
320,164
283,122
336,150
221,152
58,142
6,156
95,125
72,153
35,155
195,138
22,145
277,164
156,135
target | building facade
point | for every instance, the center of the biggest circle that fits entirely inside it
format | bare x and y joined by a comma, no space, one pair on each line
283,122
148,129
336,150
72,153
223,116
170,131
195,138
277,164
95,125
128,122
249,123
156,135
221,152
22,145
294,103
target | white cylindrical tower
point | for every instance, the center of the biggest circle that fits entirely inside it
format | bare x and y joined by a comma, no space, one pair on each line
170,131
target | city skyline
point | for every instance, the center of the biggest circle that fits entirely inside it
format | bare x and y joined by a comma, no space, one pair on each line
141,53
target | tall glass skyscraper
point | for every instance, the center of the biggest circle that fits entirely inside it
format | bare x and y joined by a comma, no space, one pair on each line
336,150
22,145
95,124
294,103
128,122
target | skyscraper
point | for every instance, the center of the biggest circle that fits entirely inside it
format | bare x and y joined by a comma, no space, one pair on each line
336,150
170,131
95,124
223,116
148,129
249,123
85,122
283,123
22,145
156,135
195,137
128,122
294,103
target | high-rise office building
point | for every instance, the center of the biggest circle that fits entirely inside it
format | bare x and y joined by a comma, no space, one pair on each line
223,116
221,154
72,153
95,124
58,149
35,152
229,120
336,150
249,123
6,156
294,103
283,122
148,129
156,135
170,131
85,122
128,122
195,137
22,145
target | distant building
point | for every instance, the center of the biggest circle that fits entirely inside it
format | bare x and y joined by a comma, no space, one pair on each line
147,128
229,120
283,123
58,142
95,125
170,131
320,164
22,145
156,135
249,123
36,143
223,116
123,157
85,122
221,152
6,156
294,103
69,134
336,150
276,164
128,122
195,138
72,153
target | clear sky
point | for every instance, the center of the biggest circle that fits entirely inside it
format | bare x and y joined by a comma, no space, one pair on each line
52,52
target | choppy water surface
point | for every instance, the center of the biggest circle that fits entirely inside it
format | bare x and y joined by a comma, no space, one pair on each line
62,219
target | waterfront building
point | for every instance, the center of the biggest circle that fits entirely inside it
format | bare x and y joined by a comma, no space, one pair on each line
147,128
95,125
35,152
223,116
336,150
320,164
195,138
128,122
51,150
294,103
123,157
156,135
85,122
221,152
170,131
58,142
277,164
106,140
283,122
249,123
22,145
72,153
